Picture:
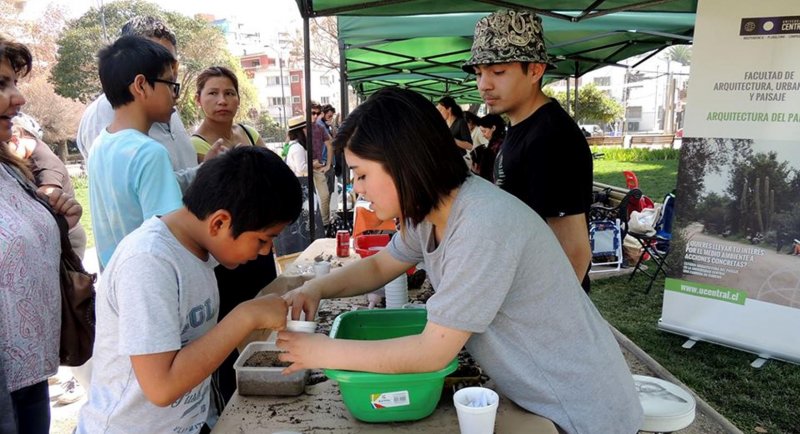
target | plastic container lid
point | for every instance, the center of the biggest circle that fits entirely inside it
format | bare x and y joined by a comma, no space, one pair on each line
666,406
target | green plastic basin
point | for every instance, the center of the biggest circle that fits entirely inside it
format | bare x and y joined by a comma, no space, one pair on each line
374,397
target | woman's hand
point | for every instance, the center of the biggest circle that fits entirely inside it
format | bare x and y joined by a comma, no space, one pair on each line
303,299
62,203
303,350
218,148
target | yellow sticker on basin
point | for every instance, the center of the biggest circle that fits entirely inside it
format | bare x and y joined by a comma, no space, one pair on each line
390,399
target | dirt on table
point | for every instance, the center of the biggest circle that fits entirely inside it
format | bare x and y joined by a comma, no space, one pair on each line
265,359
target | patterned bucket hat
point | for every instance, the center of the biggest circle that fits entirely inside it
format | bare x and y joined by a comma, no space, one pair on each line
508,36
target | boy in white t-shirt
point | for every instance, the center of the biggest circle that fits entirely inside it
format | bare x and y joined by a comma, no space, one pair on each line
158,340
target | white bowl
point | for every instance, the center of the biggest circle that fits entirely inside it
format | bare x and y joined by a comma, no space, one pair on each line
301,326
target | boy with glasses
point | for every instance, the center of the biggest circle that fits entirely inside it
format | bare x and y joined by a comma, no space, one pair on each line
171,134
130,175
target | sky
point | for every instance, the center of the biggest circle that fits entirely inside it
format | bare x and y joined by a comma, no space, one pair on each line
267,16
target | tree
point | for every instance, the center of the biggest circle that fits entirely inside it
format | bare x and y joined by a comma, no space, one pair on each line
200,45
594,105
324,43
760,185
58,116
680,53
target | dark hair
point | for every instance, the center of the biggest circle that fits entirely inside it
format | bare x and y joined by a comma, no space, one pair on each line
253,184
471,118
404,132
17,54
148,27
315,105
216,71
298,135
127,57
450,103
496,121
328,108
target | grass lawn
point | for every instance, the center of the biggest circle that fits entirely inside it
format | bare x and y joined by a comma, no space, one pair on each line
81,184
748,397
656,178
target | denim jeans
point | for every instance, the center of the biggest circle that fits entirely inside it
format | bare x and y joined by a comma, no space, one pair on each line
32,408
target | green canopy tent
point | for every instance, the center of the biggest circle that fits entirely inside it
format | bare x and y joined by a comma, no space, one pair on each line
585,8
382,45
425,52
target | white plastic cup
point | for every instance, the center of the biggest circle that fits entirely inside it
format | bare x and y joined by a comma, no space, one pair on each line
322,268
397,292
301,326
477,409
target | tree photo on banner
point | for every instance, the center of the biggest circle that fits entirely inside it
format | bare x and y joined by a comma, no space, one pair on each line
737,279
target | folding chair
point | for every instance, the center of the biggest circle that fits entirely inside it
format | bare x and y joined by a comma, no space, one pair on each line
630,179
605,237
656,246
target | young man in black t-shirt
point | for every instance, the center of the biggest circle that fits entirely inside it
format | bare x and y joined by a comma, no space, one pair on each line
544,160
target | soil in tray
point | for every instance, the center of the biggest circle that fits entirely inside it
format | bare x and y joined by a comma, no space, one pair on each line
265,359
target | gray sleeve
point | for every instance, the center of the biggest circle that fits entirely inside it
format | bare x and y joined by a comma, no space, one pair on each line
185,177
406,247
145,295
96,117
477,272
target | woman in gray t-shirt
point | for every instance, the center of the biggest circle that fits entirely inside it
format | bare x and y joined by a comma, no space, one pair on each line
519,309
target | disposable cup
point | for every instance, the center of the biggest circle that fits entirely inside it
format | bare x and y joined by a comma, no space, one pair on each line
322,268
301,326
476,408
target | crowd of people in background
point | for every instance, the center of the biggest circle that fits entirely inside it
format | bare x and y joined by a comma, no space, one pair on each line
184,225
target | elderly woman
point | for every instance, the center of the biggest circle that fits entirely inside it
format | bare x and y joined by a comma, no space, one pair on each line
30,297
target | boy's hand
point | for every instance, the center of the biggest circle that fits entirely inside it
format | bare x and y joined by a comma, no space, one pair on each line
303,350
62,203
267,312
303,299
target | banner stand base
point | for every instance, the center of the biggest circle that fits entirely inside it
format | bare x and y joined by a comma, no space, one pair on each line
759,362
689,344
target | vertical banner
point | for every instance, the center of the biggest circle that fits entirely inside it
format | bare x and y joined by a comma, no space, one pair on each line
737,237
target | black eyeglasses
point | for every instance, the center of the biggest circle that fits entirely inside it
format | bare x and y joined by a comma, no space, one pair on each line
176,87
313,113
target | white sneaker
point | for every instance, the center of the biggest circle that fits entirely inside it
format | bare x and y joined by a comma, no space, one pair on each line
55,391
63,375
73,392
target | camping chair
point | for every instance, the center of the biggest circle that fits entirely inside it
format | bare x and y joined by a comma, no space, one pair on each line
656,245
607,228
630,179
606,243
